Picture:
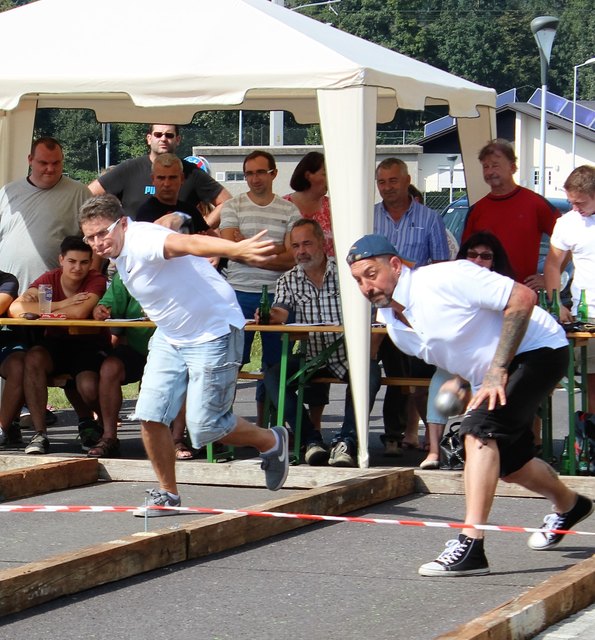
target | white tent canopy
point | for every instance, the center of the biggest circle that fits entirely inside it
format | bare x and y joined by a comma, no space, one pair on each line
150,61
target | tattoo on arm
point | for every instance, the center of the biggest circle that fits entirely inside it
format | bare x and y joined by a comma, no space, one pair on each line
513,329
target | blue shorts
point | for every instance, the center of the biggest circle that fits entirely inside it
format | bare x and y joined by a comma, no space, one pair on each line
205,374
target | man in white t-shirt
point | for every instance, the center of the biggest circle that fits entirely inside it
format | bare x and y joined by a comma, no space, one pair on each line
574,237
486,329
242,217
196,349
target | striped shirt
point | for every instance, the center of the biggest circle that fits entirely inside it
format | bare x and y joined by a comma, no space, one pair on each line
418,236
241,213
311,305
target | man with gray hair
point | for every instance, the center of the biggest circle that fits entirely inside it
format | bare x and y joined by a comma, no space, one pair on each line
417,233
196,350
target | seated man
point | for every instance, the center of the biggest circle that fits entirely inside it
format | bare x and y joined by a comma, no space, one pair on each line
12,357
311,291
124,364
76,290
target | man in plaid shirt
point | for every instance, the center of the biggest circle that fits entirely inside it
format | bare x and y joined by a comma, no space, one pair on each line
310,293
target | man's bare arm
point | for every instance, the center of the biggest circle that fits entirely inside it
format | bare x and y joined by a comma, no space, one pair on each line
516,319
253,250
96,189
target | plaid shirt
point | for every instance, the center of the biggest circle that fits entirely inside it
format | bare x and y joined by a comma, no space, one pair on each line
296,292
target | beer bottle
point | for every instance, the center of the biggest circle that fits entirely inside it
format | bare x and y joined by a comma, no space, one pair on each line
543,299
582,311
565,459
555,305
583,458
264,310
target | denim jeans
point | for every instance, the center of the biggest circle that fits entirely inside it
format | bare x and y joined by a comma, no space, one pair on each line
271,342
205,374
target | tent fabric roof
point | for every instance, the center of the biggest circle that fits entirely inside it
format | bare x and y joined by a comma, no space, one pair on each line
207,54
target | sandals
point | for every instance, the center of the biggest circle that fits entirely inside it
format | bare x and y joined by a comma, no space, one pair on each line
105,448
182,451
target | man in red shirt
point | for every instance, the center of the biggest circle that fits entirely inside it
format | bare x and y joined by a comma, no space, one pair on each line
516,216
76,289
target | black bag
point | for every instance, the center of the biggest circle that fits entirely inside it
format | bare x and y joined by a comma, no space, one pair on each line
452,452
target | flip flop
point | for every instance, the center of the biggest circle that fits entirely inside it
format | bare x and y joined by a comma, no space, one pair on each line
182,451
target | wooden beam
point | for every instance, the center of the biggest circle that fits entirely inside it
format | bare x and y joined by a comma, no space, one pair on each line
542,606
53,476
38,582
232,530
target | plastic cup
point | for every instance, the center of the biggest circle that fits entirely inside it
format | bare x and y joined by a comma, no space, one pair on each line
45,298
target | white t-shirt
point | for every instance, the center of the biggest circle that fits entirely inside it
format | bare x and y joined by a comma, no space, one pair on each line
576,233
277,217
185,297
455,313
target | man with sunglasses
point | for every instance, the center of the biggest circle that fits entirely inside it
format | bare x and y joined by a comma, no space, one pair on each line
131,180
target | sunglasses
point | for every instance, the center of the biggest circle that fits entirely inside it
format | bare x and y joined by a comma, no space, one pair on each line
484,255
160,134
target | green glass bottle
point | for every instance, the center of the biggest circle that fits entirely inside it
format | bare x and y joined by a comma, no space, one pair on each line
582,467
264,310
555,305
582,311
543,299
565,459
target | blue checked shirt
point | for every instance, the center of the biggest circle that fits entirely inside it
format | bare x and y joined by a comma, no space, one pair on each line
296,292
419,236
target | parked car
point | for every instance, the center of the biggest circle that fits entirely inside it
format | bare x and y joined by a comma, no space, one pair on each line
455,214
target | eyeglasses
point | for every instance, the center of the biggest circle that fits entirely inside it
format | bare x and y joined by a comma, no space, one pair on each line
484,255
101,235
259,172
168,134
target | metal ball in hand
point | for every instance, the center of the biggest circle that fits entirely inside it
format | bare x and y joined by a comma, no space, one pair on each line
449,403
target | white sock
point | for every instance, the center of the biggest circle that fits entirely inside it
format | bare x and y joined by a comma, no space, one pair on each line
273,449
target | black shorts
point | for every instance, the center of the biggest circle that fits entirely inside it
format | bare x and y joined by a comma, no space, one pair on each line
532,376
74,356
134,362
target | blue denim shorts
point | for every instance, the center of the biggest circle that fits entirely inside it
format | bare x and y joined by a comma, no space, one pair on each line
205,374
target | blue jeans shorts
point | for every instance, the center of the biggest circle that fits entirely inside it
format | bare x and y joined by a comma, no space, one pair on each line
205,374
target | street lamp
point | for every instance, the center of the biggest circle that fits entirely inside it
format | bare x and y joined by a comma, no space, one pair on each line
544,30
451,161
576,68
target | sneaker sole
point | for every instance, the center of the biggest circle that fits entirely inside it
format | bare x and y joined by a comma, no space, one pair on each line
436,573
154,513
342,462
555,543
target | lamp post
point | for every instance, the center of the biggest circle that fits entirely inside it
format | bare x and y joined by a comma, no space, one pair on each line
451,161
544,30
576,68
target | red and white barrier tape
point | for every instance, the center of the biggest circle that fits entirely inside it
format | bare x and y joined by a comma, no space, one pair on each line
45,508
